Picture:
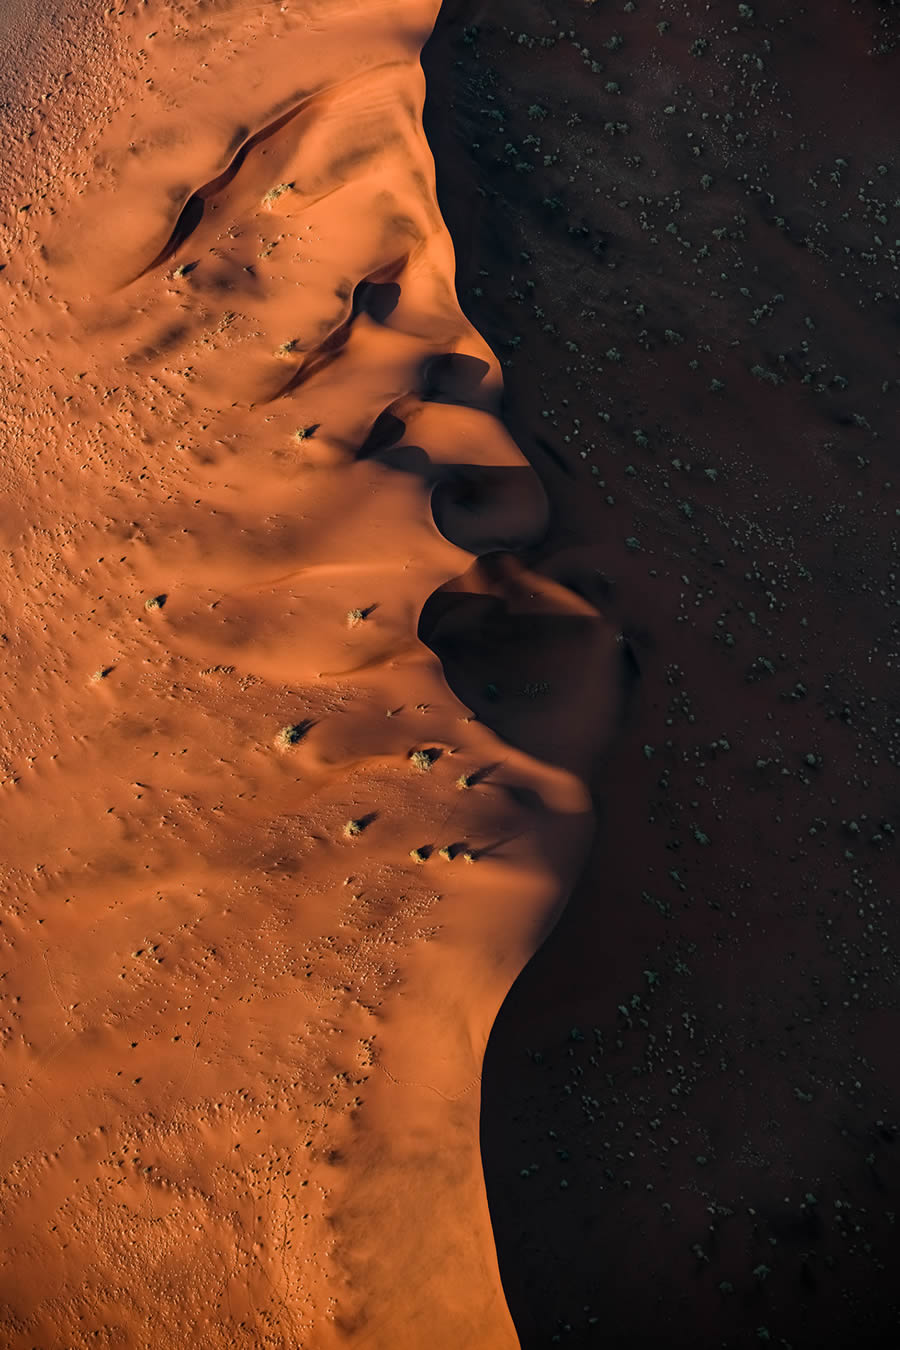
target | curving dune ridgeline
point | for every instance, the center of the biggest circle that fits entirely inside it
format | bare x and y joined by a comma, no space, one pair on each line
300,707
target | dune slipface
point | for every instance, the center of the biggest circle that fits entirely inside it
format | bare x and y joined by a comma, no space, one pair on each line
296,743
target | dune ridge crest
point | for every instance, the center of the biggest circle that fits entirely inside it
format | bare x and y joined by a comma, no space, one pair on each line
300,723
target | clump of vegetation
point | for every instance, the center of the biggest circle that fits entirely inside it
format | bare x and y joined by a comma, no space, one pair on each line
275,192
536,688
303,433
181,270
422,759
355,616
155,602
101,674
352,829
470,856
286,348
446,853
465,780
418,855
291,735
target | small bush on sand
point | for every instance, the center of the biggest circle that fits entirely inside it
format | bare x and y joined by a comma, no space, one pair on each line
421,760
418,855
352,829
292,734
275,192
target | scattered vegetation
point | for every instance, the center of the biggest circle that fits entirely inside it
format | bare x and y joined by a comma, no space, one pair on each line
352,829
422,759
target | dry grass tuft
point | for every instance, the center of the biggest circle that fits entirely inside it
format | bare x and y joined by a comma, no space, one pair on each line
292,734
275,192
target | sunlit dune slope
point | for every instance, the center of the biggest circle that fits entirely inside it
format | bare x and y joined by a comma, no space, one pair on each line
295,736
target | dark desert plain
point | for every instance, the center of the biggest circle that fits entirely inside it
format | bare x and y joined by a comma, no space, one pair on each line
450,638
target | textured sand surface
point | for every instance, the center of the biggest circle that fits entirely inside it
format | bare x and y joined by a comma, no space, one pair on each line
268,601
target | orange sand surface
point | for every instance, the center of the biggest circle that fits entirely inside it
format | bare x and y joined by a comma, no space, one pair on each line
276,847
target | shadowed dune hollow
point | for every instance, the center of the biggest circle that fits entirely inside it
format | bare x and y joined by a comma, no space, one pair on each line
301,700
677,226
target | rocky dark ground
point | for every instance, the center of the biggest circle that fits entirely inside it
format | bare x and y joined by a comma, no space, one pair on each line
679,227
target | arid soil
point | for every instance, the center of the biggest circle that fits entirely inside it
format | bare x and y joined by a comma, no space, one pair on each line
677,226
392,509
298,715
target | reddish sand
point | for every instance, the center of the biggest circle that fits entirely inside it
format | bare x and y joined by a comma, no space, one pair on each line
264,533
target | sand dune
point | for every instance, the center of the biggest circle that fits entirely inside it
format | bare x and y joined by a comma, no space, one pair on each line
297,736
